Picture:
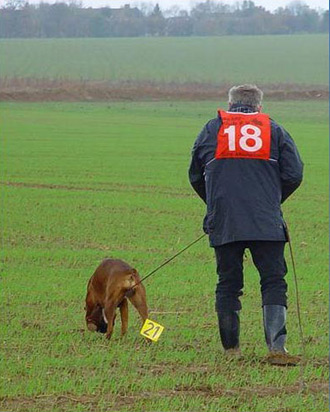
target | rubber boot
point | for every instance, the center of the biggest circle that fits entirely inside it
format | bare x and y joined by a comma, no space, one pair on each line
229,328
275,333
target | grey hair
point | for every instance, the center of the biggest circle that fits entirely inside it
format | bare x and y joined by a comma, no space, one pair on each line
245,94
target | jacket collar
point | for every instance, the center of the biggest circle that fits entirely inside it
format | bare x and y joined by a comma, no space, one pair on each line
243,108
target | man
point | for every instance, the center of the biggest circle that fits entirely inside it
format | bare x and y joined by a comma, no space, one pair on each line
244,165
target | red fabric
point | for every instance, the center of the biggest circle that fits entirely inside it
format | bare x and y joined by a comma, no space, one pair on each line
244,135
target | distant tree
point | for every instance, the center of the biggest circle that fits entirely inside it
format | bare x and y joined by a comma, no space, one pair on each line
127,22
284,21
211,18
18,19
309,20
248,8
157,11
296,7
99,22
173,11
304,18
55,19
69,19
145,8
179,26
156,22
324,24
29,25
15,4
178,22
253,19
208,8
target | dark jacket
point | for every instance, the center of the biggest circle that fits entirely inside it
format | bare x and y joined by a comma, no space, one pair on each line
244,196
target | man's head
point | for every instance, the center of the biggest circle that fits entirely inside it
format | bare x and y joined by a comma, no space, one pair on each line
246,94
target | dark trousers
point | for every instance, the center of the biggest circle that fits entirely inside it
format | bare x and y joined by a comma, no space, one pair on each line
268,257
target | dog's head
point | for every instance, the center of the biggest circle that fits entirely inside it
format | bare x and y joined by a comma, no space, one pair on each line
95,321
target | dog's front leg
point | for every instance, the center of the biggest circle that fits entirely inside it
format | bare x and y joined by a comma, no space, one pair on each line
124,316
110,313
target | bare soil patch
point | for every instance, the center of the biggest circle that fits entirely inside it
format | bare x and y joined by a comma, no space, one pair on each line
118,401
110,188
40,90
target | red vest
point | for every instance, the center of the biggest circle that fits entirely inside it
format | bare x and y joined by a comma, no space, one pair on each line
243,135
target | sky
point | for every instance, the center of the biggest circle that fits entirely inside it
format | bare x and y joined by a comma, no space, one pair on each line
187,4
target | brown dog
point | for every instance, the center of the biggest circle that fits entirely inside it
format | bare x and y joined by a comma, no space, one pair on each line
107,290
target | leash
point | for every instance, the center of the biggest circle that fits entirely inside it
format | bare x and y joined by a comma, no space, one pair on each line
165,263
302,339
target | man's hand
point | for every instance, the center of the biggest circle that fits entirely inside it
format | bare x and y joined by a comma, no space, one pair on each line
205,226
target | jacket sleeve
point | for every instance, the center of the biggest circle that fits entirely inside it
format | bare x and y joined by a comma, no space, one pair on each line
291,165
196,169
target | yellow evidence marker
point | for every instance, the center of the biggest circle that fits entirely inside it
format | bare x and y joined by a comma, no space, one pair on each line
151,330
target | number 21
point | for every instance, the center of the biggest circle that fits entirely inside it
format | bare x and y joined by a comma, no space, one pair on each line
151,327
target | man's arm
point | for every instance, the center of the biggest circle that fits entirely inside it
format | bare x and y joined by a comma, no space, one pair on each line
291,165
196,169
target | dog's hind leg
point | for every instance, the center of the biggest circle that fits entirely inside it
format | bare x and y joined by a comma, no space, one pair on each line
124,316
139,301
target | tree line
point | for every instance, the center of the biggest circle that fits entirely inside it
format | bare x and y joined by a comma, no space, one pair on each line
19,19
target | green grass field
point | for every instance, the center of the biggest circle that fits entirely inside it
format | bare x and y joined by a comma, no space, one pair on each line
85,181
299,59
